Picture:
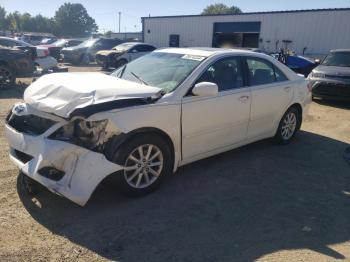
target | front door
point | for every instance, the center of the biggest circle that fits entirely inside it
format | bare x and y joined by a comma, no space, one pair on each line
211,123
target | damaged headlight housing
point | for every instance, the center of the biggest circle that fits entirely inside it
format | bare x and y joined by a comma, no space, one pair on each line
88,134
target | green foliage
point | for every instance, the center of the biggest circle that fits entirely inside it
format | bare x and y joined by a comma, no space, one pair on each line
216,9
73,20
2,18
70,20
108,34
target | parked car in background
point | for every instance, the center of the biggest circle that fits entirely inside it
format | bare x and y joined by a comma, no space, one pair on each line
34,38
331,79
14,63
299,64
122,54
47,41
85,53
56,47
140,123
40,54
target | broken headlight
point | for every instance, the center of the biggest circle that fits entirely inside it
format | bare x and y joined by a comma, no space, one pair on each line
88,134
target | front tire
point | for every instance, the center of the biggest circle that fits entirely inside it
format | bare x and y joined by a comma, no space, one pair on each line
288,127
28,185
120,63
85,59
146,159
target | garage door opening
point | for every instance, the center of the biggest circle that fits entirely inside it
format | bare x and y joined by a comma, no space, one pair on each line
236,34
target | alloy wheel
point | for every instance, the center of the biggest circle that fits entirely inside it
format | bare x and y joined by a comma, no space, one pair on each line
143,166
289,126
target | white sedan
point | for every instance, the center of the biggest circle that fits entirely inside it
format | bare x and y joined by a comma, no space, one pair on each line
151,116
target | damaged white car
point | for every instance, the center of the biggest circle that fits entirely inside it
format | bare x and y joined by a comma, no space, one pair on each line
161,111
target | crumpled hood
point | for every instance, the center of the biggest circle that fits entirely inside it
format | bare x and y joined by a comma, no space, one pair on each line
62,93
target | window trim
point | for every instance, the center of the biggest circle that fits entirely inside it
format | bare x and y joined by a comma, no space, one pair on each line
245,58
239,57
283,74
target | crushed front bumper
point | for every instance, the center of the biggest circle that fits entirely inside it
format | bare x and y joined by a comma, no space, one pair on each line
83,169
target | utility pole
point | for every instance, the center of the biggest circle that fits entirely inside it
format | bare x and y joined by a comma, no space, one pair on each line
120,14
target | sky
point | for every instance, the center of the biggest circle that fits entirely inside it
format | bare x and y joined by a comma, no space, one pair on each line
105,12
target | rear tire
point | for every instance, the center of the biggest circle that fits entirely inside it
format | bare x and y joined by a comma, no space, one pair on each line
288,126
147,161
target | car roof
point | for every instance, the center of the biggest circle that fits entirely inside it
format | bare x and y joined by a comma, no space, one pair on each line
204,51
135,43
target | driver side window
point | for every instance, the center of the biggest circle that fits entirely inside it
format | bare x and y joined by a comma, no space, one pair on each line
226,73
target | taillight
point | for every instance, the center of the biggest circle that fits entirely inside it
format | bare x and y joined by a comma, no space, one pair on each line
46,52
309,86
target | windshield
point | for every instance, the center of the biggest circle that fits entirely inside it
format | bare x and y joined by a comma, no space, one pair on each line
123,47
337,59
163,70
88,43
60,43
22,43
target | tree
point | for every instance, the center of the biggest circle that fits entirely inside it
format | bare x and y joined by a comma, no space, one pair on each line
108,34
2,18
13,22
216,9
73,20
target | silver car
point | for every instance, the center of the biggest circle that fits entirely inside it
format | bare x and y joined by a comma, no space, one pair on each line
331,79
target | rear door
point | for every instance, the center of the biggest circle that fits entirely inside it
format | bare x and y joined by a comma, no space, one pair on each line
271,94
213,123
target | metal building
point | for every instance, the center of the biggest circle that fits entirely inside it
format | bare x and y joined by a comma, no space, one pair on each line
127,35
310,32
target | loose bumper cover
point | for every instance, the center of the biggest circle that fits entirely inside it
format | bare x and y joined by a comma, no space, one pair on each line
83,169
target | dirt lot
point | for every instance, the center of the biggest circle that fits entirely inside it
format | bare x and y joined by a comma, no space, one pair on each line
262,202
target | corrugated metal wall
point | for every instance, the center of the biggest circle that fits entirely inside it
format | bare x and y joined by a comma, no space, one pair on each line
319,31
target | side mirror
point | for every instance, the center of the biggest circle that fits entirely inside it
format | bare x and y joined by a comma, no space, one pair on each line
317,61
134,51
205,89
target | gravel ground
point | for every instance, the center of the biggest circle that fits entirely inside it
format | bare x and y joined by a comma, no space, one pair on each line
261,202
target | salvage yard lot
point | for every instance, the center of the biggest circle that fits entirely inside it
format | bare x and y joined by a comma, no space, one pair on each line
260,202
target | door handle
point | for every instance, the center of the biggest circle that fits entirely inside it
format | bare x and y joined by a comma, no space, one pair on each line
287,88
243,99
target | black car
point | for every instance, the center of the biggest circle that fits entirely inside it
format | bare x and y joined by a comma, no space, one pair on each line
331,79
84,53
14,63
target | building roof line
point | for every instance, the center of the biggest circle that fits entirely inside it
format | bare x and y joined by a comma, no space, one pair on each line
252,13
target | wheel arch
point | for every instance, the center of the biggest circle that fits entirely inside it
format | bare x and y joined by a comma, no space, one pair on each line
124,138
300,110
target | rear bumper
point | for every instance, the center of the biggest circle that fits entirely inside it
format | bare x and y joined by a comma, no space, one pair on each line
83,169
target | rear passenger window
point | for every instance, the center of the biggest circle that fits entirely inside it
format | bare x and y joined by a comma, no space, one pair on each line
260,72
280,77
